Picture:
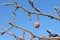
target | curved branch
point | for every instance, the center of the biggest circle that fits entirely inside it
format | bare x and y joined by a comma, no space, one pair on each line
23,30
39,13
48,15
31,3
6,30
43,14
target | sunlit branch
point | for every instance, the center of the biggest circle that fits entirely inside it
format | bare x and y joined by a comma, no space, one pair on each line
23,34
39,13
14,17
57,11
32,35
17,6
48,15
7,4
22,37
43,14
23,29
37,17
20,28
52,34
31,3
10,33
10,26
6,30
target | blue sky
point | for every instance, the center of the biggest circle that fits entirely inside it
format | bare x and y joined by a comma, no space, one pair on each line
22,19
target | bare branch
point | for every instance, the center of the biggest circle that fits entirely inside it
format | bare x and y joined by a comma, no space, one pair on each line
43,14
31,3
20,28
14,16
48,15
32,35
57,11
39,13
7,4
22,39
11,34
17,6
6,30
23,34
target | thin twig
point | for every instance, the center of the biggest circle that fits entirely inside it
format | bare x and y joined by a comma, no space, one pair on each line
14,17
12,34
6,30
23,34
7,4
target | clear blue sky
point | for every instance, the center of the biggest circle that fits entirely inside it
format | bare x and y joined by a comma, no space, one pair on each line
46,6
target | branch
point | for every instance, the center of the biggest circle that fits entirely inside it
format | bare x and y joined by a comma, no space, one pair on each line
7,4
24,30
20,28
6,30
39,13
17,6
23,34
31,3
32,35
48,15
57,11
14,15
11,34
22,37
